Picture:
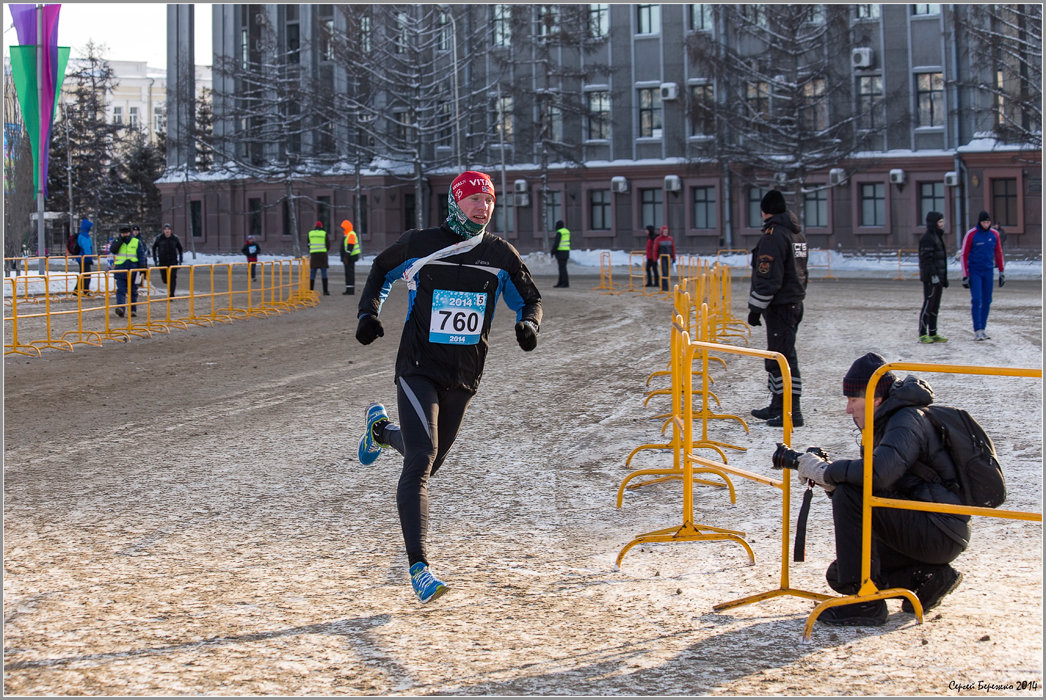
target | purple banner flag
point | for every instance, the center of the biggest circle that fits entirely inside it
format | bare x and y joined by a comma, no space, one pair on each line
25,21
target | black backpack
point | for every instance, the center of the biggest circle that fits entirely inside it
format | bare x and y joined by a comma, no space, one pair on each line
73,244
979,479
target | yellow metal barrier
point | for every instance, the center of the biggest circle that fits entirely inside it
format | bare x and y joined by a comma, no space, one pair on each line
281,286
869,591
901,264
827,266
637,271
746,268
606,275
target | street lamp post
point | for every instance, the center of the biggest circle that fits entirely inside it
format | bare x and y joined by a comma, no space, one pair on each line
454,47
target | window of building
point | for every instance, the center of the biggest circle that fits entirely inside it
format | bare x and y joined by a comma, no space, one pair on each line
445,126
554,120
926,9
502,25
702,110
704,202
504,216
815,209
757,97
599,21
254,217
699,17
648,19
159,118
1004,201
410,211
245,48
504,125
816,15
597,125
403,126
366,32
287,229
867,11
446,31
325,13
132,117
401,40
293,43
869,102
873,204
323,211
755,14
196,218
548,20
553,208
599,210
650,112
361,225
650,207
929,94
117,115
814,112
931,198
755,212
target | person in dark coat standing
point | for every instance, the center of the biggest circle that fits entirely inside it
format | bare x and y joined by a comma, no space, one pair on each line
910,548
665,252
778,289
167,252
933,271
251,249
652,279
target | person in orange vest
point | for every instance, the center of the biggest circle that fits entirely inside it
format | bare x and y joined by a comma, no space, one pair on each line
350,253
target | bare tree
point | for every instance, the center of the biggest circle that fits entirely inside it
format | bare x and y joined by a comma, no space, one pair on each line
780,102
1006,60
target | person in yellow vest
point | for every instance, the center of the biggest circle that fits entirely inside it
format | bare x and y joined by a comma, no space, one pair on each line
318,245
350,253
561,249
128,254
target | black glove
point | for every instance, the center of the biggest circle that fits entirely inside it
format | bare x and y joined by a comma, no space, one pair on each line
527,335
966,282
1002,279
753,319
369,329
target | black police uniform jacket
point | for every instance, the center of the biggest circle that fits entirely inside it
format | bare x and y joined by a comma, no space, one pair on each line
449,313
778,264
902,437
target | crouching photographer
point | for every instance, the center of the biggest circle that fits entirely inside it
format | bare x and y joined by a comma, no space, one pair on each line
910,549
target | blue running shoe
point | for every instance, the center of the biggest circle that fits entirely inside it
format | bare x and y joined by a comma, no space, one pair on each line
426,586
370,448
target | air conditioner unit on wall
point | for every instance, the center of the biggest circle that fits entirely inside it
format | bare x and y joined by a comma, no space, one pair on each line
862,57
897,176
521,199
836,176
619,184
673,183
669,91
519,186
951,178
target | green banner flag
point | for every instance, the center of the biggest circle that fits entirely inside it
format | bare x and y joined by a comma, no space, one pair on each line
23,70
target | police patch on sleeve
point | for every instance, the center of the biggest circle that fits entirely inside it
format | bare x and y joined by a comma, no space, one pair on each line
763,264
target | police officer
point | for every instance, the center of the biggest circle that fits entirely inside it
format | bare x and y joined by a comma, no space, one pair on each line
128,254
777,293
561,249
350,253
318,256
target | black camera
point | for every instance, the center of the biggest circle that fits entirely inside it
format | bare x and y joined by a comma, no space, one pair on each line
785,458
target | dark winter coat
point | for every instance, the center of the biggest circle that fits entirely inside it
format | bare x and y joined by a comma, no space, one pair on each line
779,259
903,436
933,256
484,273
167,251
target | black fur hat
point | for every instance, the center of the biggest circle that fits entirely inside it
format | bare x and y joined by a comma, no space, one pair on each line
773,203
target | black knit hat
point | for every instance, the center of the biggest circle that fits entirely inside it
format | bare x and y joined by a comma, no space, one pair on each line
933,217
856,380
773,203
984,216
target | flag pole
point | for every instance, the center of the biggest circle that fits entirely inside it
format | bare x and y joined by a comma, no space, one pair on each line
41,243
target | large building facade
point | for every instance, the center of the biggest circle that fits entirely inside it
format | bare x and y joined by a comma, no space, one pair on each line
613,117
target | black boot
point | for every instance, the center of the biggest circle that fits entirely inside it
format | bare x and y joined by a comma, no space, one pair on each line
771,411
326,293
312,284
797,416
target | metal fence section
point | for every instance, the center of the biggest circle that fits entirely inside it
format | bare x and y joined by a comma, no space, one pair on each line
65,308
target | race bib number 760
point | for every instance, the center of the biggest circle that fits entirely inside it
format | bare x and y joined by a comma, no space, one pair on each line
457,317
